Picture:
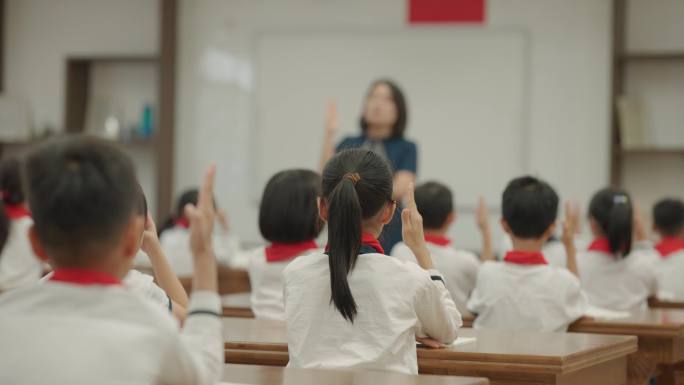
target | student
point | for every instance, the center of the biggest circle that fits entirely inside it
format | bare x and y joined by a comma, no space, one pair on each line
174,238
668,222
176,301
288,219
18,264
525,293
354,306
83,326
435,205
615,275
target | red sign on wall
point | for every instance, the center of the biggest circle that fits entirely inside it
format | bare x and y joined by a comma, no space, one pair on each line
446,11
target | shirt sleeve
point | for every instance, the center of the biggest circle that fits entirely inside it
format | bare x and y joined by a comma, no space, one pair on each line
408,159
437,313
476,302
575,300
143,284
196,355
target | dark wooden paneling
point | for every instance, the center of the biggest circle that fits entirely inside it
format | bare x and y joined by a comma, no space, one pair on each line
76,94
167,106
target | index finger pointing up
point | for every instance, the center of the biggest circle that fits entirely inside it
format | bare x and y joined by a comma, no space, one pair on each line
410,198
206,194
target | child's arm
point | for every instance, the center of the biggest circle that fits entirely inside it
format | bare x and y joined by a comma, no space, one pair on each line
482,216
640,233
568,237
331,125
412,231
164,274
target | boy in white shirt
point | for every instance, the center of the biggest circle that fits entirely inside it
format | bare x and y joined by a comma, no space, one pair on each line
668,222
19,266
524,292
83,326
435,204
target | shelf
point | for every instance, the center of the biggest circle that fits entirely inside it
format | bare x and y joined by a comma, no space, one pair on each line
653,151
133,59
652,56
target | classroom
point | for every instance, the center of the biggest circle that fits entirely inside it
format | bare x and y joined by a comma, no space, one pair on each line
274,192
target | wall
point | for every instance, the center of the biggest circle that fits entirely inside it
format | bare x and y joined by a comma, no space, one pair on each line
40,34
568,81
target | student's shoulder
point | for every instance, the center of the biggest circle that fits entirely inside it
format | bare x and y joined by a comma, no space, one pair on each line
468,256
350,142
305,261
563,275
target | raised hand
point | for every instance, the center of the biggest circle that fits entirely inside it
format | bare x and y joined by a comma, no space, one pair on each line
202,217
332,121
412,230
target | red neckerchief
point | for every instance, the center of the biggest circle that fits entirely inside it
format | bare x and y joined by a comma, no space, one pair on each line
182,222
17,211
279,252
601,245
438,240
669,245
84,277
369,244
525,258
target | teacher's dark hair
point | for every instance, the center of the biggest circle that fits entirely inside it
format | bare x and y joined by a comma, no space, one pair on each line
356,185
400,103
611,208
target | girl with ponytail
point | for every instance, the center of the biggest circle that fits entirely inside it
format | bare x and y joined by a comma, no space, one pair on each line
354,306
617,269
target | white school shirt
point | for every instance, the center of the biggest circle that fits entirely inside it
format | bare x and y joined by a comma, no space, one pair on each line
392,298
61,333
140,284
19,266
458,266
670,276
515,297
620,284
175,243
554,250
266,280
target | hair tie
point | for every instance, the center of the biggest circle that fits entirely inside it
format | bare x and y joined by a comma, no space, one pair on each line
619,199
353,176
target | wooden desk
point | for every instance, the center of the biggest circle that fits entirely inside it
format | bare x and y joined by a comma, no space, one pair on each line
271,375
661,342
230,281
504,358
237,305
664,304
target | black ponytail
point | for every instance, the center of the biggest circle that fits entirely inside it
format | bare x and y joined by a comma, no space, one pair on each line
611,208
188,197
356,185
10,182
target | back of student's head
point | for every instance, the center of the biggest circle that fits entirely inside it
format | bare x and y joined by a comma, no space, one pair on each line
668,217
186,198
83,194
529,207
611,210
10,181
289,212
357,185
435,203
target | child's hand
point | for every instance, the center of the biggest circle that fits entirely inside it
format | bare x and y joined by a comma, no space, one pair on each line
482,215
640,233
331,118
430,343
202,218
150,239
412,230
570,224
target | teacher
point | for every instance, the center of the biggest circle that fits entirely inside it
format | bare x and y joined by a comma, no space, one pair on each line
383,123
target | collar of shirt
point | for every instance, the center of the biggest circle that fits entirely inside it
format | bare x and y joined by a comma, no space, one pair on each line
182,222
669,245
369,245
438,240
601,245
17,211
279,252
84,277
525,258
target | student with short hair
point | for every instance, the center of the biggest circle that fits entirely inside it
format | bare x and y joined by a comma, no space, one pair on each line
616,272
174,237
83,326
19,266
525,293
668,222
288,219
353,306
435,204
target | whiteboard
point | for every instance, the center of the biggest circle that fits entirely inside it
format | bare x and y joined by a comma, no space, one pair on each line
465,88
